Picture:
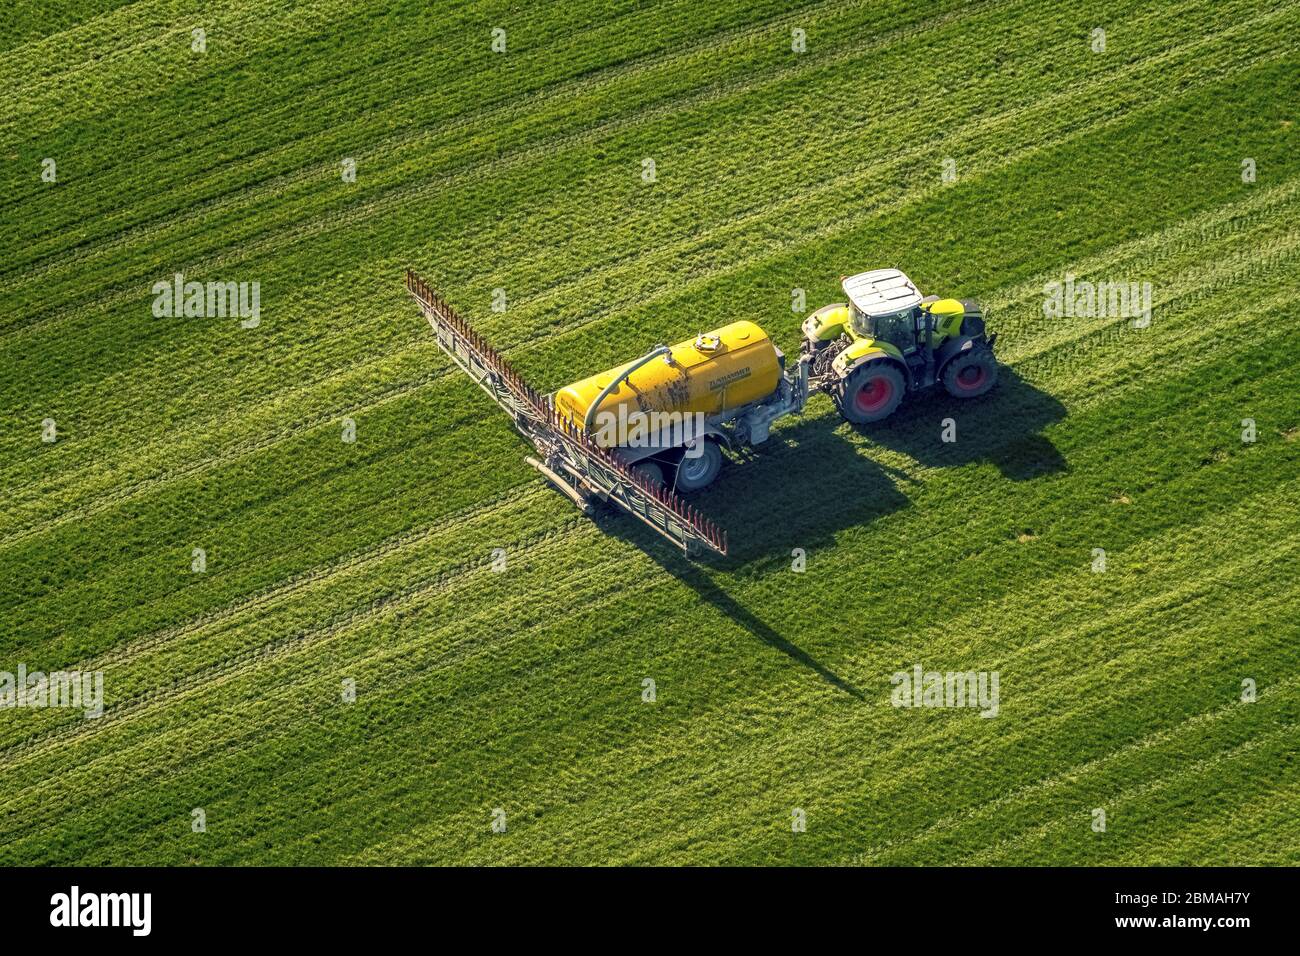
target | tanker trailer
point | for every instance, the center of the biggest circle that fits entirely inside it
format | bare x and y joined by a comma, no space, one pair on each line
635,435
670,412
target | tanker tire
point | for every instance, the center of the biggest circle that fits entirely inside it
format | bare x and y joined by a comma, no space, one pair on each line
650,470
696,474
870,393
971,374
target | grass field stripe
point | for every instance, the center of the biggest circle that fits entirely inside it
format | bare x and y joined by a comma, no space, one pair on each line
512,107
397,199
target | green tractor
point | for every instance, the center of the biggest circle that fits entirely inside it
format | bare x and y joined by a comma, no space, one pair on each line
889,341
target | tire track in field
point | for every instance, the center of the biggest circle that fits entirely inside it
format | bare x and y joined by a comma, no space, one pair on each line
1146,788
399,197
1042,787
128,70
133,650
232,667
1188,234
452,656
262,730
254,656
452,650
273,593
850,221
508,108
395,63
672,746
1227,271
224,792
935,741
399,60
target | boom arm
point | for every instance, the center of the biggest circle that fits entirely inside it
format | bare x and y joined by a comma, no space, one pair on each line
568,457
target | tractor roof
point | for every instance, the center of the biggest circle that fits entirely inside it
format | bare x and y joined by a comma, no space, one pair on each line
881,291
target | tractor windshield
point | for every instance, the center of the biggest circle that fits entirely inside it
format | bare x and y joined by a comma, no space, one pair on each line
896,328
860,320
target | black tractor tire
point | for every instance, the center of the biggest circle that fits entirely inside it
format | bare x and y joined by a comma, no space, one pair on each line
870,392
696,474
971,373
651,470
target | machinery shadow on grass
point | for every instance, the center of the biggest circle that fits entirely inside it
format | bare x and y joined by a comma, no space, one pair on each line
696,577
796,492
1003,427
811,481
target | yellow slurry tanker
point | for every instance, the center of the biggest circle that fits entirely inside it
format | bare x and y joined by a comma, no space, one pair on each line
638,434
722,387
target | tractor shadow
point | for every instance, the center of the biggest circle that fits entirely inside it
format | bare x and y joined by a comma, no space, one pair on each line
1003,427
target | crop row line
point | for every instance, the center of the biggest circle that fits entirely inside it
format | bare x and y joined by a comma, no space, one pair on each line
228,665
478,116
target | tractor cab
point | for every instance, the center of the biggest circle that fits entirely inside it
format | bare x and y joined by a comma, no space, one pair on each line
883,305
899,329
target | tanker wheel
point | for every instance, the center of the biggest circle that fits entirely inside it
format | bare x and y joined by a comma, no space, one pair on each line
650,470
697,473
870,393
971,374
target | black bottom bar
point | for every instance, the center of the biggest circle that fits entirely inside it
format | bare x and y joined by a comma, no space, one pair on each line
948,907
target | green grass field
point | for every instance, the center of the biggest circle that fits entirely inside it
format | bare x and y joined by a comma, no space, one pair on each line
372,561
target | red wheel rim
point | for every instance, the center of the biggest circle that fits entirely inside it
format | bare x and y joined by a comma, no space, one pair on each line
972,377
874,395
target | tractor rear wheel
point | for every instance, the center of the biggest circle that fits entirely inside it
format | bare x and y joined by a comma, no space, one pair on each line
971,373
696,473
870,393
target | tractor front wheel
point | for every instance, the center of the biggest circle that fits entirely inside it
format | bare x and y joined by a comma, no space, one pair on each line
870,393
971,373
